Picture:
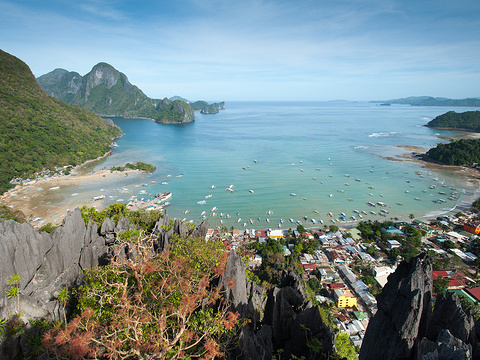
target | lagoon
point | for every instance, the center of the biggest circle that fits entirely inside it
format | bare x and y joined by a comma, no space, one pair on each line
331,155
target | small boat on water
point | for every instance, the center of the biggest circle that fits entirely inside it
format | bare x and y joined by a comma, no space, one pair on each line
208,196
293,194
251,191
201,202
99,197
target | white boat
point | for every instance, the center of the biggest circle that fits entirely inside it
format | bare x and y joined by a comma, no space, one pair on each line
163,196
330,195
99,197
251,191
293,194
208,196
213,208
203,213
201,202
212,187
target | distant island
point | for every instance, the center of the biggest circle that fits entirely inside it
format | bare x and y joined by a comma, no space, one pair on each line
106,91
431,101
135,166
202,106
40,133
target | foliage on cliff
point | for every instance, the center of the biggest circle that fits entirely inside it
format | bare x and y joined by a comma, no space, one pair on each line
38,131
469,120
107,91
461,153
155,306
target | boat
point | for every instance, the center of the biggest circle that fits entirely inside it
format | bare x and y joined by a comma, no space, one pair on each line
315,211
371,204
269,212
212,187
330,195
99,197
163,196
364,212
251,191
208,196
293,194
213,208
353,218
267,220
203,213
201,202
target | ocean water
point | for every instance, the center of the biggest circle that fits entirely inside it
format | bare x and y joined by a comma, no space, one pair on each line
331,155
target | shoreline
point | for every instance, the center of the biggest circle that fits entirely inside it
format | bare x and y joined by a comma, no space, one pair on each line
30,197
47,200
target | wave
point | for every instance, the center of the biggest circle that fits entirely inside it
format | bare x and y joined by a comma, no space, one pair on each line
360,147
382,134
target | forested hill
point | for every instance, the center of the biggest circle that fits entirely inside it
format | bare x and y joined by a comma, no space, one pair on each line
469,120
462,153
107,91
38,131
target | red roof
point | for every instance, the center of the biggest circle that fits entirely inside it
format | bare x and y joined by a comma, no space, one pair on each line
337,285
309,266
475,292
456,278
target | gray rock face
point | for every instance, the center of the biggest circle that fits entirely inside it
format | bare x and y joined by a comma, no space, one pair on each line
405,327
284,319
403,311
235,275
45,262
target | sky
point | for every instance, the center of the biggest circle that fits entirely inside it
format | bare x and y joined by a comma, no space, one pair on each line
248,50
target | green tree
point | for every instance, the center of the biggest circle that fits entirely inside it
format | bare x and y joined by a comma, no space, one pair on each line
64,297
151,305
440,285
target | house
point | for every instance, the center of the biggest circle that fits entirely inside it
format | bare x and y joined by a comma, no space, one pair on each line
392,230
344,298
472,227
392,244
456,279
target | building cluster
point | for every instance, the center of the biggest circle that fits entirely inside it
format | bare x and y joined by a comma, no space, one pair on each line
338,253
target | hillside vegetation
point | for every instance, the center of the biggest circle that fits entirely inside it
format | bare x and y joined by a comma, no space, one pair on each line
469,120
38,131
460,153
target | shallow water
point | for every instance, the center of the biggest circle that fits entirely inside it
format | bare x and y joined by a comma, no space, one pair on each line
330,154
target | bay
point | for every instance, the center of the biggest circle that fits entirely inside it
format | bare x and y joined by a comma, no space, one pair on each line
331,155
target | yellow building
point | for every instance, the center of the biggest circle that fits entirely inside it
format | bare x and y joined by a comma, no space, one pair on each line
345,298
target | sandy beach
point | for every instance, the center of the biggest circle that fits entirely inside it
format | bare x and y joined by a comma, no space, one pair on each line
33,197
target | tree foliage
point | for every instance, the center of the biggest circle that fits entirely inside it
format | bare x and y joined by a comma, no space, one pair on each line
40,132
469,120
150,305
463,152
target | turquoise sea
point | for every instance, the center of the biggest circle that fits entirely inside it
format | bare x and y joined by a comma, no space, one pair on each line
331,155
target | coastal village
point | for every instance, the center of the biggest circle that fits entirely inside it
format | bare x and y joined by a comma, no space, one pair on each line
352,270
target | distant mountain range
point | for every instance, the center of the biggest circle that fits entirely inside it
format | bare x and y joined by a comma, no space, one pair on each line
40,132
431,101
106,91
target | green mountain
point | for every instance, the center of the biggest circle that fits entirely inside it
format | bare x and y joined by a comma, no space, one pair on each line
432,101
106,91
38,131
469,121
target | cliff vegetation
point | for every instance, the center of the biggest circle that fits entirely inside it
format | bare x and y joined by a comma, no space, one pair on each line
38,131
465,152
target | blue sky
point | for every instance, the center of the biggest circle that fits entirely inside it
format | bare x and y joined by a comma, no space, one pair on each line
257,50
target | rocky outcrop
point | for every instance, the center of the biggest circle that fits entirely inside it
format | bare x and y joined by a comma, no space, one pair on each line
281,319
107,91
164,231
213,108
405,327
45,262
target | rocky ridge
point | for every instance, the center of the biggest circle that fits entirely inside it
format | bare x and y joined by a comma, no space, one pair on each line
406,327
107,91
